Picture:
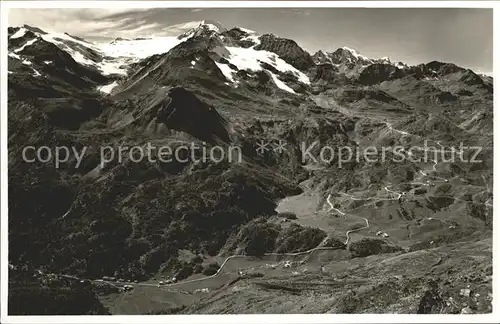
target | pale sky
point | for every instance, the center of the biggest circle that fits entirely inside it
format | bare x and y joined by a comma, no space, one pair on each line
460,36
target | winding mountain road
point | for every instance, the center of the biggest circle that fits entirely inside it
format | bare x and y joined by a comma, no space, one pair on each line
348,237
393,192
221,268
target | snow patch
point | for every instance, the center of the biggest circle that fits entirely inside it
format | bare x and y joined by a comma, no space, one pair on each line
124,52
142,48
115,66
106,66
15,56
212,27
253,38
401,65
28,43
57,39
119,53
78,57
280,84
226,70
36,74
107,88
250,59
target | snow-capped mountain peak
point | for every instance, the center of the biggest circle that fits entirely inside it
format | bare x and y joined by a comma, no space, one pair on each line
342,56
348,57
355,53
108,57
212,25
385,59
238,57
248,31
191,26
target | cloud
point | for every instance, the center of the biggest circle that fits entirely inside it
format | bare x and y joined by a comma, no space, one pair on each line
86,22
180,28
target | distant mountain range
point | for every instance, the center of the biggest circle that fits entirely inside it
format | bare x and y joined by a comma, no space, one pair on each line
235,53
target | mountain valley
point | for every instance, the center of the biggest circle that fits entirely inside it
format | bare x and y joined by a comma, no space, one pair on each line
277,230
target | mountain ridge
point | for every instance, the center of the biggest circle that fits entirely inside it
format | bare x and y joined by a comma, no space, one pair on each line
116,56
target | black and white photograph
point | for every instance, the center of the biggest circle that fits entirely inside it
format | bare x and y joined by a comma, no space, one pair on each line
195,160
